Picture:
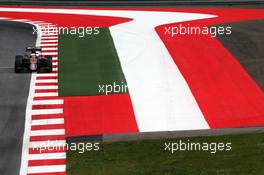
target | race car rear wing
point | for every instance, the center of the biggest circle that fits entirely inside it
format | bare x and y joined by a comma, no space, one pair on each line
33,48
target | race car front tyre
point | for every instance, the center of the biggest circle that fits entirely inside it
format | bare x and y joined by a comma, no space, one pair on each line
49,58
45,65
49,63
45,70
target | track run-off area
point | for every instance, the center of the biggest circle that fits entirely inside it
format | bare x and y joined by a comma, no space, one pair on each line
174,83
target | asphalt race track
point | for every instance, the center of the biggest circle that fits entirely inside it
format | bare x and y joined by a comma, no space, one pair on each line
246,44
14,37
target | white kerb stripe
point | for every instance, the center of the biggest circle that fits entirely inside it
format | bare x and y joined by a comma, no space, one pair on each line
49,29
52,44
46,169
47,102
45,144
49,48
55,64
47,156
48,121
47,81
49,33
48,94
47,132
46,111
47,74
49,53
49,41
49,37
46,87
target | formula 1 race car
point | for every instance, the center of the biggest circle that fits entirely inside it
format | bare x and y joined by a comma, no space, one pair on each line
33,62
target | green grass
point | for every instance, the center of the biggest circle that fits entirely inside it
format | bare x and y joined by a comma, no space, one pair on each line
85,63
149,158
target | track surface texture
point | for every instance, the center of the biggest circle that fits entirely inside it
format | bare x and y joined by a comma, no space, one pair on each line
246,44
14,37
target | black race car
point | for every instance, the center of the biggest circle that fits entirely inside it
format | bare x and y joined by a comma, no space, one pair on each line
34,61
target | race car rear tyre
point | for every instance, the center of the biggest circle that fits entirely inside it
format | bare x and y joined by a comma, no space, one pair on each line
18,64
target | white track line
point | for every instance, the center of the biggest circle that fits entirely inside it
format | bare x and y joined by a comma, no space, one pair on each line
22,20
25,146
7,19
28,117
47,24
161,98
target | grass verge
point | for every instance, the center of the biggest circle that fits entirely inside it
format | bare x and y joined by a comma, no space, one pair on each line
85,63
148,157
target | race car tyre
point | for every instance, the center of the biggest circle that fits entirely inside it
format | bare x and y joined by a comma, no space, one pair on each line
48,65
18,64
49,57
